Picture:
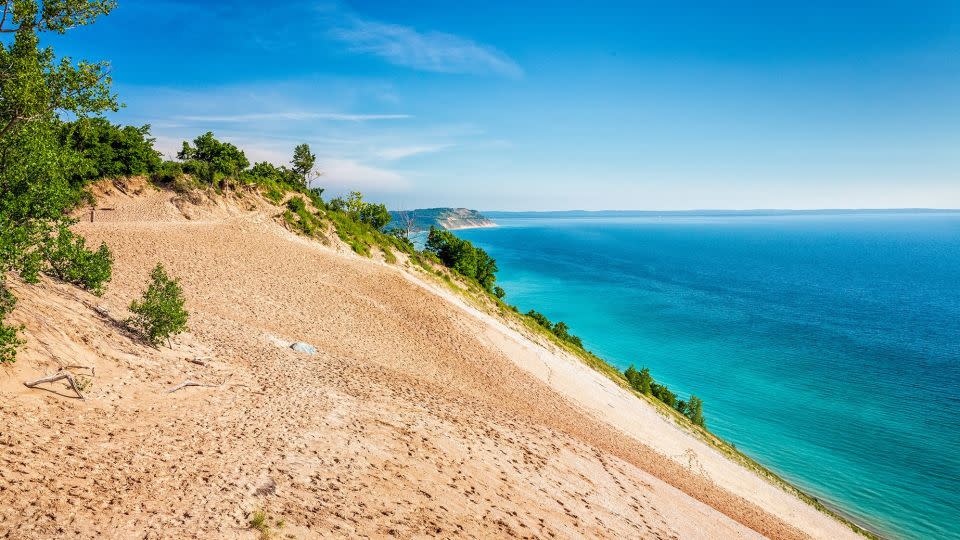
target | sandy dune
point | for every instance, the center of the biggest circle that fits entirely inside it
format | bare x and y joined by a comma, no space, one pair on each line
419,416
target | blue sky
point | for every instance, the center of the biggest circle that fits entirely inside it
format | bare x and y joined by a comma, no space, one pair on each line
561,105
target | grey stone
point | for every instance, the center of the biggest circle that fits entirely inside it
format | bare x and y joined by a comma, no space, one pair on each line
304,348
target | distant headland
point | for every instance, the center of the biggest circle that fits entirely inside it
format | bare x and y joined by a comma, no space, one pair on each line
451,219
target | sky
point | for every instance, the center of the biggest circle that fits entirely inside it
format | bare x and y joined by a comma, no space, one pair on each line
558,104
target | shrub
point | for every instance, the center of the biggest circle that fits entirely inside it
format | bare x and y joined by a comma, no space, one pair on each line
107,150
168,171
695,411
540,319
463,257
641,381
499,292
9,340
71,261
211,160
296,204
159,314
375,215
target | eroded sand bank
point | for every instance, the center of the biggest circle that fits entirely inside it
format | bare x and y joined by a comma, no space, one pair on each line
420,416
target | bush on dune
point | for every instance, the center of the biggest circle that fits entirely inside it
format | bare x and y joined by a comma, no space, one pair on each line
159,314
106,150
642,382
9,340
463,257
71,261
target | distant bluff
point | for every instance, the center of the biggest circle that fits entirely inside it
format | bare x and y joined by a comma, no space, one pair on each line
451,219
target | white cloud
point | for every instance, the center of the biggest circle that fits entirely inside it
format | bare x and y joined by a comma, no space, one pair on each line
254,117
427,51
401,152
348,175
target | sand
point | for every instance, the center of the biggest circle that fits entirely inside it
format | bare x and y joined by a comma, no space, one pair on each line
419,416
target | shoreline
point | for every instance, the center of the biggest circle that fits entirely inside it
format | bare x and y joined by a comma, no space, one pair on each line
465,227
593,391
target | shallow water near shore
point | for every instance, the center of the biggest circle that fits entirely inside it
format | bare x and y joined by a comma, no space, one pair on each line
826,347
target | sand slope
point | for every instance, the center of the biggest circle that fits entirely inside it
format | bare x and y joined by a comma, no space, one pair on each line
418,417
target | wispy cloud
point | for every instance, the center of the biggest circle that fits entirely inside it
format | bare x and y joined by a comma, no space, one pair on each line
401,152
347,175
427,51
255,117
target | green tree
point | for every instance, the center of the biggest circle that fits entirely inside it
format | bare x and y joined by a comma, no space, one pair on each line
212,160
71,261
375,215
159,314
106,150
633,377
695,411
540,319
35,88
499,292
645,381
303,162
462,256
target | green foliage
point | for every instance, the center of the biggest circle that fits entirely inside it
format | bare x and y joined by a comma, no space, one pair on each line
105,150
211,160
35,169
159,314
361,236
296,204
642,382
9,340
300,217
303,162
540,319
664,394
71,261
167,171
561,330
695,411
375,215
463,257
499,292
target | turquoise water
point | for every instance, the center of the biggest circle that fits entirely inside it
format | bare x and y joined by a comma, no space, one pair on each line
825,347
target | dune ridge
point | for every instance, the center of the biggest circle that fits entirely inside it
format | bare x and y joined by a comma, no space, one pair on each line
419,416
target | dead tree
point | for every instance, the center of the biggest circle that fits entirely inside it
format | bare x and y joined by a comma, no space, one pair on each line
63,373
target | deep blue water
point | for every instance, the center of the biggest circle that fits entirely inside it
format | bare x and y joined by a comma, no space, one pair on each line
826,347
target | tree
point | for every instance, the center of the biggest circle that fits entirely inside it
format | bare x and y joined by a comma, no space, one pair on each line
633,377
303,162
499,292
462,256
406,223
105,150
645,381
211,159
682,407
159,314
35,169
695,411
71,261
375,215
540,319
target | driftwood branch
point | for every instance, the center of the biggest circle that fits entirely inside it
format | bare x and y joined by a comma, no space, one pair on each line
188,382
61,374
